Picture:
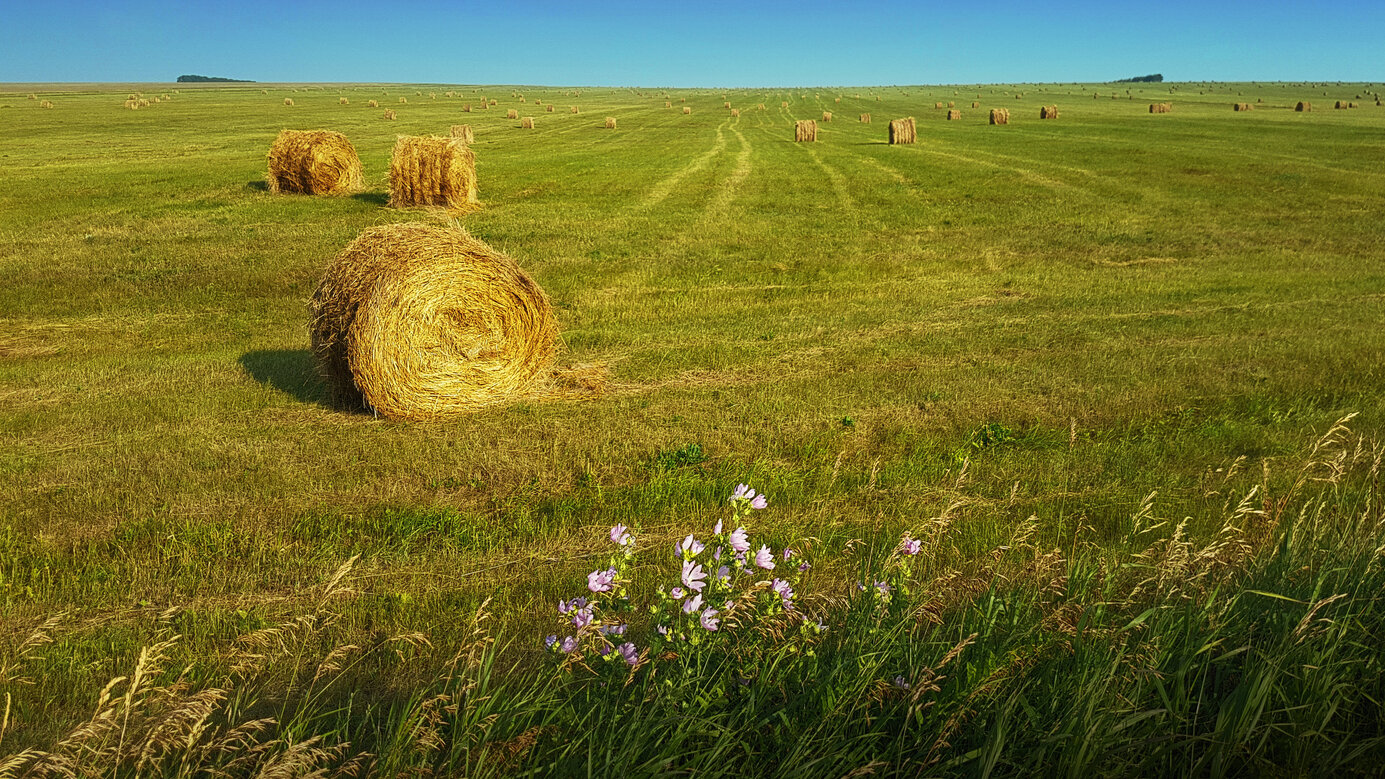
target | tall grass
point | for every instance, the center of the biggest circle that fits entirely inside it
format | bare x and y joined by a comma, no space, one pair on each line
1250,648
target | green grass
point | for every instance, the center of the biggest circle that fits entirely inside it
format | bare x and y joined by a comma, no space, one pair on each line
1050,319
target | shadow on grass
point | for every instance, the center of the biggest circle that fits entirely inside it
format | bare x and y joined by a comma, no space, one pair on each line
261,185
293,371
375,198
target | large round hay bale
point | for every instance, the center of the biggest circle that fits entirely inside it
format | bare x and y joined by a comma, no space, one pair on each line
418,321
433,171
903,130
805,131
314,162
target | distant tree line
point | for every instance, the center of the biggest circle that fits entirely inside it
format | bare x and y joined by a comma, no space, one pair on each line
1153,78
203,79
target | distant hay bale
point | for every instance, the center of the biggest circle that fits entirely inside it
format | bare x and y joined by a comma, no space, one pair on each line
493,101
784,104
45,104
826,116
682,100
264,91
903,130
687,109
288,101
390,114
953,114
975,104
1000,116
527,123
430,170
521,98
132,104
463,133
1340,104
403,100
421,322
951,104
548,108
1048,112
538,102
343,101
735,112
1243,107
610,123
466,108
374,104
668,104
938,104
805,130
511,113
574,109
314,162
865,118
144,103
726,104
1161,108
839,100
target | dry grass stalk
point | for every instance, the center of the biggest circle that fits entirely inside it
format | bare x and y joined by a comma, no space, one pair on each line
903,130
687,109
1160,108
390,114
865,118
805,130
463,133
953,114
433,171
511,113
610,123
826,116
527,123
1048,112
288,101
1000,116
314,162
423,322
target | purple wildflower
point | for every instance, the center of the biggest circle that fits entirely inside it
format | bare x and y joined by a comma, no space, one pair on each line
613,630
709,621
883,587
601,581
782,589
738,541
663,629
691,547
787,553
677,593
724,574
692,604
804,566
627,651
693,576
582,618
716,529
569,644
765,558
741,492
901,683
910,546
619,536
549,642
569,606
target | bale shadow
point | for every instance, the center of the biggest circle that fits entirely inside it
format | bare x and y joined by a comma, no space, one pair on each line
374,198
293,371
261,185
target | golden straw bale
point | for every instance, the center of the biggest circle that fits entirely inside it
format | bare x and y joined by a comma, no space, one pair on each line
761,106
784,104
390,114
610,123
511,113
1243,107
953,114
548,108
826,116
1340,104
937,105
374,104
1048,112
466,108
687,109
144,103
668,104
726,104
903,130
1160,108
421,322
951,104
314,162
403,100
865,118
538,102
735,112
132,105
521,98
464,133
805,130
975,104
288,101
527,123
574,109
1000,116
343,101
493,101
431,170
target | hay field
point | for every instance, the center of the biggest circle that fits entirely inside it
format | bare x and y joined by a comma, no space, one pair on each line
1051,318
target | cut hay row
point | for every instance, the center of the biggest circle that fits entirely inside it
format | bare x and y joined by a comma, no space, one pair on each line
433,171
1048,112
1161,108
1000,116
314,162
805,130
903,130
953,114
527,123
463,133
422,322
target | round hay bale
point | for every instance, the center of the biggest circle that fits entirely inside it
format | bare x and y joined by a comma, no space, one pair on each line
288,101
422,322
511,113
953,114
314,162
826,116
433,171
527,123
610,123
805,131
374,104
865,118
903,130
390,114
687,109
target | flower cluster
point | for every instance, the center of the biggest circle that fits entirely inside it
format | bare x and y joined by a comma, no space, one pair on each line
593,617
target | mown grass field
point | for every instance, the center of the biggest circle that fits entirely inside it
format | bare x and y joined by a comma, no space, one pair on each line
1051,319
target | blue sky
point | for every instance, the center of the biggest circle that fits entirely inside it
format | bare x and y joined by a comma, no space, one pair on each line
698,43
